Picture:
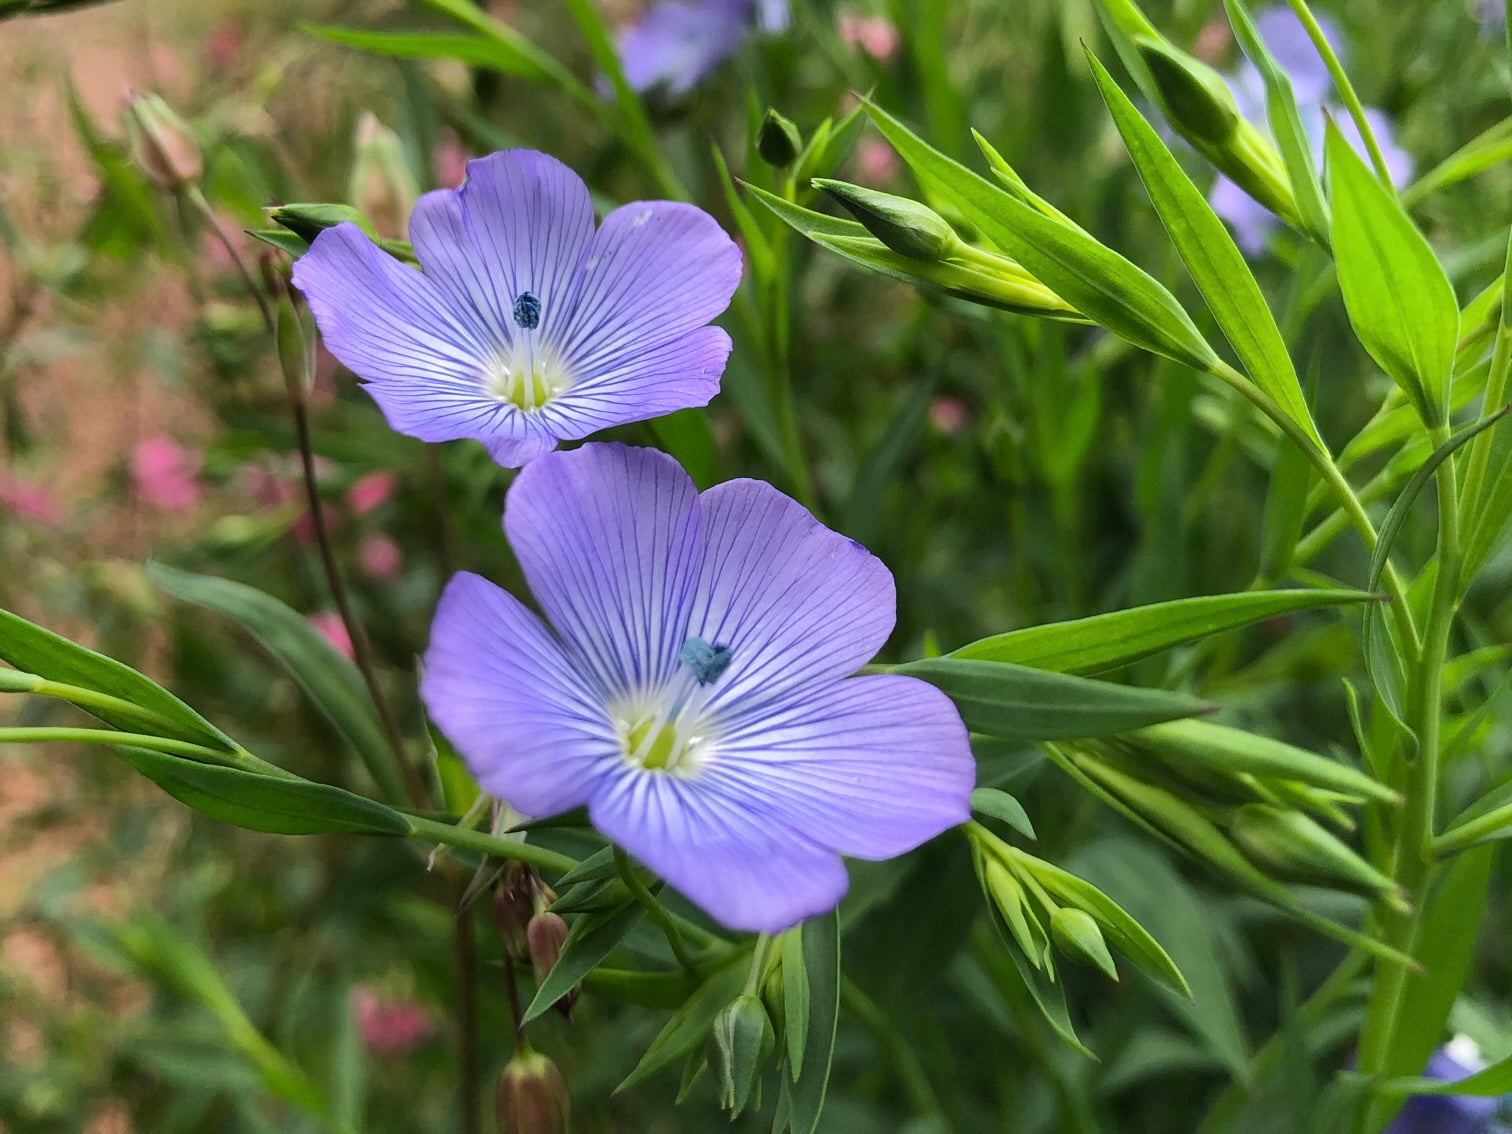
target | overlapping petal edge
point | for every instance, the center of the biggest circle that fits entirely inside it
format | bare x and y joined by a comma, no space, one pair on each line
617,328
798,762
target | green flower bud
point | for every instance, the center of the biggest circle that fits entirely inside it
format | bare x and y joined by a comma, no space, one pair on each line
382,186
311,219
545,935
907,227
741,1037
294,336
532,1096
1077,935
778,141
161,143
1198,101
1293,847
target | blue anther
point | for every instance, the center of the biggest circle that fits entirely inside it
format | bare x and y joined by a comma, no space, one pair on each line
527,310
707,662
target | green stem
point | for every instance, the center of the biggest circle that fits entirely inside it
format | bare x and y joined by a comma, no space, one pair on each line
516,850
1336,483
1345,88
780,379
42,735
654,909
1414,852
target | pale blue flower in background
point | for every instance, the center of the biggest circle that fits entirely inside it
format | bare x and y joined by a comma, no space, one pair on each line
677,44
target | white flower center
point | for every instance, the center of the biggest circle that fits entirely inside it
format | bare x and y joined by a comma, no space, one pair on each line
668,730
527,375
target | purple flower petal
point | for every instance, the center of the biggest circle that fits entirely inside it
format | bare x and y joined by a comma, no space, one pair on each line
657,271
745,872
608,538
533,731
673,377
870,767
521,222
798,605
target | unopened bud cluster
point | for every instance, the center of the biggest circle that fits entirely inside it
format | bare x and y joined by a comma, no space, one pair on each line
531,931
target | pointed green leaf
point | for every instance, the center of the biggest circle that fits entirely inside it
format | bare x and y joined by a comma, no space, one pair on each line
998,804
1088,275
1400,302
810,1079
330,681
1106,641
469,49
795,996
29,647
1212,258
592,938
689,1026
1017,703
265,803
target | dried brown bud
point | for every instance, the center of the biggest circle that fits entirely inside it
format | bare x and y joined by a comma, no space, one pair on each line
532,1096
162,145
545,936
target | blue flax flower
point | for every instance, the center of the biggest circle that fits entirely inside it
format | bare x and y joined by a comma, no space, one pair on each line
526,327
1293,49
1447,1114
677,44
691,685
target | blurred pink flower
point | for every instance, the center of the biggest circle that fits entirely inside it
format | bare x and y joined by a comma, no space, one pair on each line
875,35
165,474
949,415
266,488
379,557
369,491
876,161
223,43
333,630
450,161
28,501
390,1027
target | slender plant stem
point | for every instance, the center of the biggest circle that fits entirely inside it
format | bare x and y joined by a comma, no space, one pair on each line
43,734
1344,86
467,1018
513,849
655,909
1414,854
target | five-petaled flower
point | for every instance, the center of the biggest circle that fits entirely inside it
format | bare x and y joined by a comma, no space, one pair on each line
526,327
693,687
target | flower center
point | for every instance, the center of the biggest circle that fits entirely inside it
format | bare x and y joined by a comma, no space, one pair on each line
668,731
526,374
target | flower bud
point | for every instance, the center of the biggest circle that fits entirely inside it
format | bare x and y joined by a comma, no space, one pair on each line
382,187
292,332
742,1035
532,1096
778,141
514,907
1077,935
545,935
161,143
907,227
1294,847
1198,101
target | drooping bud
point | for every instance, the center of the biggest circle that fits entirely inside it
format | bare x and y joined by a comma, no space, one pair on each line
1077,934
514,907
532,1096
545,936
382,186
741,1037
292,330
907,227
778,141
161,143
1294,847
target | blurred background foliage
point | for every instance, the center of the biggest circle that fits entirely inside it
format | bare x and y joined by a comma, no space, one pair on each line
1009,471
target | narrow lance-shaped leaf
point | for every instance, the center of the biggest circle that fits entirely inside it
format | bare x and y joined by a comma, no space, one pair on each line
1106,641
1211,257
690,1024
330,681
1087,274
52,657
1018,703
996,803
591,938
1400,302
810,1078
